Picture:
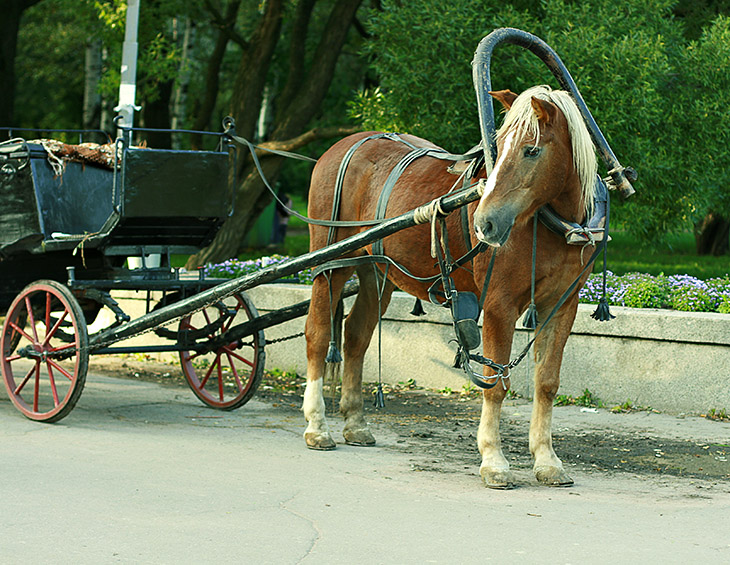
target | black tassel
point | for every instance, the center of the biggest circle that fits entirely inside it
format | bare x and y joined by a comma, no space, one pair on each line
379,397
602,313
333,354
457,360
418,308
530,319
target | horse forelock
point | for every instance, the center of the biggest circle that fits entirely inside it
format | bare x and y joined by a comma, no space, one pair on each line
522,119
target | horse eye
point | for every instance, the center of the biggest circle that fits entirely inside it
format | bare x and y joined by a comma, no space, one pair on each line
532,151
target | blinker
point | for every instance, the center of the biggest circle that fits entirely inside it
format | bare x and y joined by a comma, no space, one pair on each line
465,311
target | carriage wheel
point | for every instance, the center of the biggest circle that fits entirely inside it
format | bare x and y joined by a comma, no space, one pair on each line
44,351
228,377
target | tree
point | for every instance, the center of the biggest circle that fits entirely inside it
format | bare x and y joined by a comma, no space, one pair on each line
704,127
654,94
311,65
12,12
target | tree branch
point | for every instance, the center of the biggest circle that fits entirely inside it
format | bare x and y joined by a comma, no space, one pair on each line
212,76
226,23
304,139
297,50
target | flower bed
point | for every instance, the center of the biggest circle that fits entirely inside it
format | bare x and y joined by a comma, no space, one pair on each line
236,268
676,292
634,290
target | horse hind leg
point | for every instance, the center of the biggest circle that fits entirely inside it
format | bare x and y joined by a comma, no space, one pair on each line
318,335
359,327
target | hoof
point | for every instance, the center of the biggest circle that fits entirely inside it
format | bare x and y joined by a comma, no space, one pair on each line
497,479
361,437
319,441
553,476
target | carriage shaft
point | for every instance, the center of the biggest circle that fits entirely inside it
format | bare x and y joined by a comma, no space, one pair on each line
448,204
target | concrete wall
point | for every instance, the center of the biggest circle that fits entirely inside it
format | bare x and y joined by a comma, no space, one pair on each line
672,361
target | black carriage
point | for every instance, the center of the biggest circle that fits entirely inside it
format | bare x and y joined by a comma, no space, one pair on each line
81,221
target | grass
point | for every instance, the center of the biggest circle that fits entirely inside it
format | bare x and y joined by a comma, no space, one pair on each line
678,257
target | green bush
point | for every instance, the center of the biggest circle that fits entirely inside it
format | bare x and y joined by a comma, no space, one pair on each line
646,291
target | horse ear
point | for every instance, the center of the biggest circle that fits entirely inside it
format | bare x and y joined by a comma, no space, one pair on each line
546,111
506,97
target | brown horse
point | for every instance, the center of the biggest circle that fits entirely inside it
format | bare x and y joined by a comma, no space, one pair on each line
545,156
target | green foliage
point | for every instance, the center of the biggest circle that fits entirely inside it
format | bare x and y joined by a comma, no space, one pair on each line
724,306
587,400
50,44
645,292
654,94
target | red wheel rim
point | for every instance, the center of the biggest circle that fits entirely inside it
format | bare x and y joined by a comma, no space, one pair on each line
44,356
228,377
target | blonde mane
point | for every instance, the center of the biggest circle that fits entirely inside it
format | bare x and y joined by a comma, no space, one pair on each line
522,118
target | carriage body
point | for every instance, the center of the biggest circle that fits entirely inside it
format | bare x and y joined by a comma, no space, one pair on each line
75,230
139,202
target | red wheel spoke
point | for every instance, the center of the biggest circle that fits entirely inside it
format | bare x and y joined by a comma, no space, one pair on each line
227,326
65,373
20,387
233,370
207,321
62,348
48,313
220,378
207,375
37,388
54,391
51,333
31,319
21,331
237,356
13,358
238,377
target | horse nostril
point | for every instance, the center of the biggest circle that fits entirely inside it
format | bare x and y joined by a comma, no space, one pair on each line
484,230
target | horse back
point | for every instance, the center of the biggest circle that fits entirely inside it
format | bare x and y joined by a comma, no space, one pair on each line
367,171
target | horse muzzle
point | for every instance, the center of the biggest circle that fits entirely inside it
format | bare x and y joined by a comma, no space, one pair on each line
494,228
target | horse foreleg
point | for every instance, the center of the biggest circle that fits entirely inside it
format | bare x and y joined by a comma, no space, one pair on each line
359,327
549,346
318,334
494,469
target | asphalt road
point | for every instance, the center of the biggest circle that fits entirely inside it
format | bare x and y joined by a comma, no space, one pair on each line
143,473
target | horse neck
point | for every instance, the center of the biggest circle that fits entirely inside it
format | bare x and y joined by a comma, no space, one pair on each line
569,203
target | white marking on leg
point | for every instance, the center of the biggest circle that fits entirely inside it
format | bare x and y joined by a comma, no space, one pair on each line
488,438
314,408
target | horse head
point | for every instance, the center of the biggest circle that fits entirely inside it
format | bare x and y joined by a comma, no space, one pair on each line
544,155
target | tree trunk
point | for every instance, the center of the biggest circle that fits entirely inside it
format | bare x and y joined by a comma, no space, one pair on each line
11,12
204,112
185,29
230,235
91,115
156,114
712,235
298,104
